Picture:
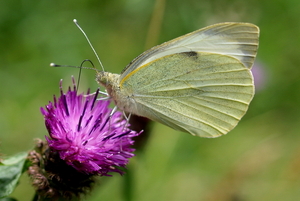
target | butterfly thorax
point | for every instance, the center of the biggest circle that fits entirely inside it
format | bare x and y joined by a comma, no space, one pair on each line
122,98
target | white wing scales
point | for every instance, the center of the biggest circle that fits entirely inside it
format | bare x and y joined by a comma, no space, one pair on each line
198,83
239,40
201,93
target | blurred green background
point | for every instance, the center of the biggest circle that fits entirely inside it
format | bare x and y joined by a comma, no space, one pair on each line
258,160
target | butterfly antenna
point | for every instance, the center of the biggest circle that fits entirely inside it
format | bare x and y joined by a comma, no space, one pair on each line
76,23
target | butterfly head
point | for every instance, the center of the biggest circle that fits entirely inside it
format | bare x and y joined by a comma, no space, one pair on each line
108,80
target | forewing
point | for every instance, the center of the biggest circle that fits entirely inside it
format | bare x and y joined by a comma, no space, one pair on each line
239,40
201,93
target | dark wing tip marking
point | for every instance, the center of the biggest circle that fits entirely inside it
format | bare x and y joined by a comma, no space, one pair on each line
190,54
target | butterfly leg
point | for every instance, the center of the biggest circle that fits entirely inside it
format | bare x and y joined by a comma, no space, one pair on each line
100,92
127,118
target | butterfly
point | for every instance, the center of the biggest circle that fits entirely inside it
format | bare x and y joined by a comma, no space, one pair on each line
200,83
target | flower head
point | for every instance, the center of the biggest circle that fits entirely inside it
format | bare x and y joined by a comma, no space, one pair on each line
86,135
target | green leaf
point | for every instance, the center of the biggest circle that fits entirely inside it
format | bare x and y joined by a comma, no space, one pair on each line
10,172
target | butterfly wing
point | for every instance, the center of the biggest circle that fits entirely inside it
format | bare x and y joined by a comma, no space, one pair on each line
239,40
205,94
198,83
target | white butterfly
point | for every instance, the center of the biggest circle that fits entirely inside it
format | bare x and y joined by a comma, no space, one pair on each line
198,83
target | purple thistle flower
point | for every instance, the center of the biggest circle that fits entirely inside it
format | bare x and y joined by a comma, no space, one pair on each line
85,134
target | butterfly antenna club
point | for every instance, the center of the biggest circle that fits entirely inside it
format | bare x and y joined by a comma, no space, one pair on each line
76,23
